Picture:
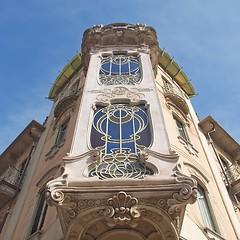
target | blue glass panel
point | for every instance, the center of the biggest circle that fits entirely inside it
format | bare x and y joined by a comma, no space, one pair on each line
115,69
134,67
105,69
125,69
121,126
120,70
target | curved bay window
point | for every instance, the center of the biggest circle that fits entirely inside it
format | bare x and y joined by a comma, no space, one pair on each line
120,132
120,69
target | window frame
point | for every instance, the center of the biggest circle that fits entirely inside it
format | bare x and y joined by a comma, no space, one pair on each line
117,159
205,209
114,78
39,214
61,133
144,111
181,129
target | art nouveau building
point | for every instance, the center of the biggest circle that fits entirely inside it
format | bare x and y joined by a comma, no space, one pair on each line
122,154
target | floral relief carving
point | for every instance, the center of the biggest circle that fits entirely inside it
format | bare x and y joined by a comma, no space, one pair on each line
134,94
122,209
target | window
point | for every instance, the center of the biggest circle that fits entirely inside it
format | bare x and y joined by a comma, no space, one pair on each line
40,214
120,69
204,209
61,133
120,132
181,130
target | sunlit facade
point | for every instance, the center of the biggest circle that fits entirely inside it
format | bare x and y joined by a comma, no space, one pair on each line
122,154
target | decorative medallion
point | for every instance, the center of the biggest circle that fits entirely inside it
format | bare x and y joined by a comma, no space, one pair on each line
121,210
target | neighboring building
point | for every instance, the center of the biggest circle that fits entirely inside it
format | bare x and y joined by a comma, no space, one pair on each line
122,154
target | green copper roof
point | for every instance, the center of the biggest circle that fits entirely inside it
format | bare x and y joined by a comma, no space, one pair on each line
64,76
165,61
176,73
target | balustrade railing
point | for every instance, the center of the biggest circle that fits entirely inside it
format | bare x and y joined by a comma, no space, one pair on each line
11,175
174,90
234,171
68,92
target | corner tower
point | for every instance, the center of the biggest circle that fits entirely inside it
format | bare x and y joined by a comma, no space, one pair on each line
121,176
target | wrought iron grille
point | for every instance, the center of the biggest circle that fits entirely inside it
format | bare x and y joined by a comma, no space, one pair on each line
232,173
170,88
120,69
120,132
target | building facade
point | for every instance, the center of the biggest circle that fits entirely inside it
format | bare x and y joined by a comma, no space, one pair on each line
122,154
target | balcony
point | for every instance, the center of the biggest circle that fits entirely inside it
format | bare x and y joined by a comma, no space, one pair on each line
232,173
175,97
66,100
9,181
234,178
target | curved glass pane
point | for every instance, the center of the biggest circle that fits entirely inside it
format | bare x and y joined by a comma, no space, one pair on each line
120,69
120,131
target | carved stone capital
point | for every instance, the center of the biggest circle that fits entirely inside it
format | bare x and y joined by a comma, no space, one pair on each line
186,194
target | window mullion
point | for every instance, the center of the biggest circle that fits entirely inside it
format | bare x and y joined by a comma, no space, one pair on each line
134,131
120,129
120,66
106,134
110,66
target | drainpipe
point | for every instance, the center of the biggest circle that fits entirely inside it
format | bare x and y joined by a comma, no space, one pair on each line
230,211
222,168
217,156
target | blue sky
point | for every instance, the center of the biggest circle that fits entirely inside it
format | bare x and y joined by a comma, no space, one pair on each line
37,38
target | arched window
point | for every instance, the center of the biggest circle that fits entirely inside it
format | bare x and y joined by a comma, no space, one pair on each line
120,69
120,131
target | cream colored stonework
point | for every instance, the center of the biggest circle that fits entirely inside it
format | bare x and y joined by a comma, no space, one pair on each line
160,206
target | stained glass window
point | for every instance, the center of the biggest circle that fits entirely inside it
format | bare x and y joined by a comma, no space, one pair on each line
120,132
120,69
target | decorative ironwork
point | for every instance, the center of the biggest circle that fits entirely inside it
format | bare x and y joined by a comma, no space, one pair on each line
232,173
66,99
120,132
11,175
120,69
235,172
175,96
120,165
